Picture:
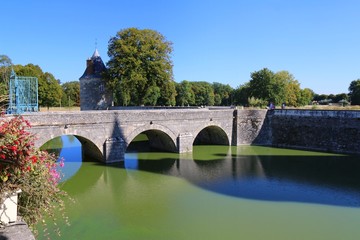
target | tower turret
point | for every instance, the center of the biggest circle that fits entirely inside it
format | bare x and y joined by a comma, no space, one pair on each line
94,94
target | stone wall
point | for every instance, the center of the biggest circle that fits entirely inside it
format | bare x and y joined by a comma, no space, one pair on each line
320,130
252,127
106,134
94,94
332,131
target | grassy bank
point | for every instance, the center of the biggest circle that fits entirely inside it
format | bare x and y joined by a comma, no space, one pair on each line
59,109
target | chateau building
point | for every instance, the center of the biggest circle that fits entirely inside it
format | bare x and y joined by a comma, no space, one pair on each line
94,94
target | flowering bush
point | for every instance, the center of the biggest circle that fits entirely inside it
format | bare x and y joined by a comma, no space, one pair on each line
35,172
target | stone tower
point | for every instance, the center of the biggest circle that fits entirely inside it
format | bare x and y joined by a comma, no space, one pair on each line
94,94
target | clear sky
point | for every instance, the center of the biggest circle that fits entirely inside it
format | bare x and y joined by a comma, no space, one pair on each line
318,41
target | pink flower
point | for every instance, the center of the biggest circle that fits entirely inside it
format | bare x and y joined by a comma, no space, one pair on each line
61,164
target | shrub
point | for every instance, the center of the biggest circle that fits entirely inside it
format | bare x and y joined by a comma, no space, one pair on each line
256,102
35,172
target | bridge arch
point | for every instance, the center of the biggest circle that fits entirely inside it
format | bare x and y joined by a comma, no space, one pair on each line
88,147
159,137
211,134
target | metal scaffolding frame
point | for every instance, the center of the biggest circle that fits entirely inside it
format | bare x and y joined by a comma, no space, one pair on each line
23,94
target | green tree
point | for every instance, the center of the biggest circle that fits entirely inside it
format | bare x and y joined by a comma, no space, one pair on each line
223,94
354,92
306,96
279,87
204,93
71,93
140,62
341,96
261,85
241,94
293,93
5,70
320,97
49,89
152,95
185,95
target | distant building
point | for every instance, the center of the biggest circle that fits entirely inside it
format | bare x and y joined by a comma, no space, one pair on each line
94,94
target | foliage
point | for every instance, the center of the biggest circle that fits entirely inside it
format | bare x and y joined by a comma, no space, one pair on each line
306,96
5,70
256,102
50,91
261,85
324,98
204,93
71,94
279,87
354,92
325,101
35,172
344,102
140,62
241,94
223,94
185,95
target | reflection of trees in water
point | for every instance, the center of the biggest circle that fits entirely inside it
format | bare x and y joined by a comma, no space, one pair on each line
54,145
249,172
255,173
323,179
72,138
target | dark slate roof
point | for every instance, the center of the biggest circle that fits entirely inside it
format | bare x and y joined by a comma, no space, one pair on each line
94,67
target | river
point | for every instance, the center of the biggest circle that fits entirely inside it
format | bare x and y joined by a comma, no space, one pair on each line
216,192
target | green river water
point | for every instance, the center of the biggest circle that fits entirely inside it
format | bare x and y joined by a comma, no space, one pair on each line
217,192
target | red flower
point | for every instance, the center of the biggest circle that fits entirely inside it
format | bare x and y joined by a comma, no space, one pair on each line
13,148
2,156
34,159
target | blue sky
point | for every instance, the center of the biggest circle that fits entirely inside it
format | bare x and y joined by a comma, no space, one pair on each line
318,41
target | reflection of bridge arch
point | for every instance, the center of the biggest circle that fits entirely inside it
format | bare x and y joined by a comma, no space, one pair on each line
212,134
159,137
89,149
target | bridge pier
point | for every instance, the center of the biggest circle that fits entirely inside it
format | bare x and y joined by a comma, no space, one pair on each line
185,142
114,150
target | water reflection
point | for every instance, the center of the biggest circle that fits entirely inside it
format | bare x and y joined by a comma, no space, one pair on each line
317,178
250,172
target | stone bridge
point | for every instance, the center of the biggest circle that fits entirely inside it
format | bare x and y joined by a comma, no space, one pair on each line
105,135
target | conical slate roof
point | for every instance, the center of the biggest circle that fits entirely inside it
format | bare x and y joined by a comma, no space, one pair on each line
94,67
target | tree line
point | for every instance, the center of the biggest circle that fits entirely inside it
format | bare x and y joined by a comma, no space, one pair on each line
51,92
139,71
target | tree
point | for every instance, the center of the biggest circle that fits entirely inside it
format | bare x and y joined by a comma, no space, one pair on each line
320,97
140,64
223,94
341,96
306,96
71,93
204,93
261,85
5,70
49,89
185,95
241,94
354,92
279,87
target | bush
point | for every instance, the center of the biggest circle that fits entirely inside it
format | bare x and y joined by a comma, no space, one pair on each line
35,172
257,102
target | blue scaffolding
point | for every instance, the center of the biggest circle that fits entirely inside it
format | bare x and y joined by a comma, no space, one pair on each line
23,94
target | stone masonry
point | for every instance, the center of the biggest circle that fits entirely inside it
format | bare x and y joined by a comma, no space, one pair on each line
105,135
